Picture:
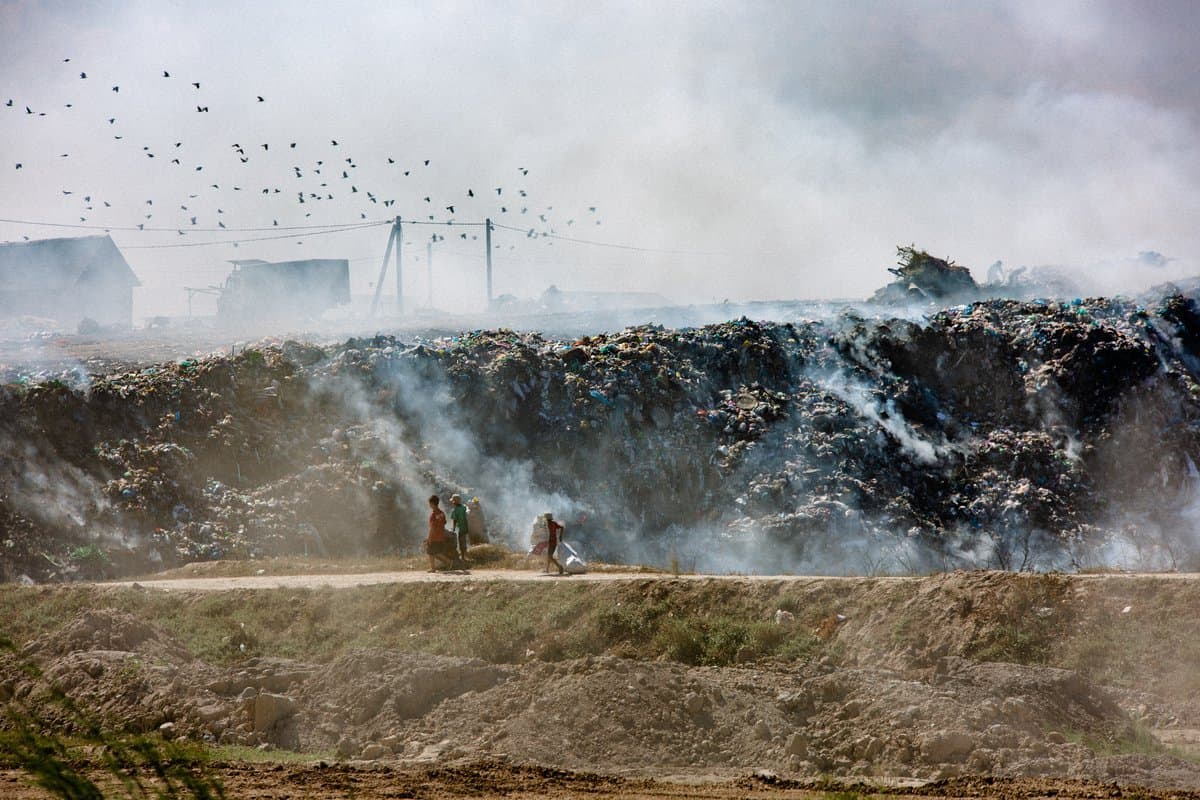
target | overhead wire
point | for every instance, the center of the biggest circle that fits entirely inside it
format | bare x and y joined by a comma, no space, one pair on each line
192,228
253,239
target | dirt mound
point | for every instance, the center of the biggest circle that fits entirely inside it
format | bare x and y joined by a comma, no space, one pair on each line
112,631
375,691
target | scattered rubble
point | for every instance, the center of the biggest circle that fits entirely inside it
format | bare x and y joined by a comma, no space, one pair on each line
807,719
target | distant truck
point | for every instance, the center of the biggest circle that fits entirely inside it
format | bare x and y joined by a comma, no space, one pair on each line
306,289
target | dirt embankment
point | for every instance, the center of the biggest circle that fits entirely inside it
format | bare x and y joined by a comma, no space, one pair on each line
979,674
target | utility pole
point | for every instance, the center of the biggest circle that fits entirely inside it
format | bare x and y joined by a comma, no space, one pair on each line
488,239
387,254
399,272
429,269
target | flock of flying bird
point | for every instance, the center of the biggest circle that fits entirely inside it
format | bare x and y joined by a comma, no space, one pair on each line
330,178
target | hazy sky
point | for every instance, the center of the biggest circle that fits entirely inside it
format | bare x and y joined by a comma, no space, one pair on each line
789,147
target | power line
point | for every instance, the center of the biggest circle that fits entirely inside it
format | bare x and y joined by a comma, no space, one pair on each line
193,229
613,245
448,223
254,239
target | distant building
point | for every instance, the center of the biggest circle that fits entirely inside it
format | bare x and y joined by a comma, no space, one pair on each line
305,289
67,280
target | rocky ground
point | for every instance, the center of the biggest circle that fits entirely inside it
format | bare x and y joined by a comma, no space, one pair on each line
975,674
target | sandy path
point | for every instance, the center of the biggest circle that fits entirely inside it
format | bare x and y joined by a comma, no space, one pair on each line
343,581
350,580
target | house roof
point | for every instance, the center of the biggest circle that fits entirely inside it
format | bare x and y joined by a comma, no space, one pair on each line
54,264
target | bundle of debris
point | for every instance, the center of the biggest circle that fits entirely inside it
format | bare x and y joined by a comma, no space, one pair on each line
921,278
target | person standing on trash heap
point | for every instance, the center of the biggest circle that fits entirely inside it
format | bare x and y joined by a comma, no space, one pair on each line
556,530
436,545
459,524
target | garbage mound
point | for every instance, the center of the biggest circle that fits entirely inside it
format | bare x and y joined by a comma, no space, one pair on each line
1018,435
921,278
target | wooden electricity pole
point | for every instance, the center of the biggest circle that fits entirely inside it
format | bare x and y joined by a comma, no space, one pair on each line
488,239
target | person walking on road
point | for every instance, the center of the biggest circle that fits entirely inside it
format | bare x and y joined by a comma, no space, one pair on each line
556,531
459,525
437,547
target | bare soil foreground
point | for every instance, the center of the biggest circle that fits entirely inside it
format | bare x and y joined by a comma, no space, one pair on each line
503,683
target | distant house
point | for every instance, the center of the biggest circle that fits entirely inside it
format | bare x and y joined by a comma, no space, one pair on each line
67,280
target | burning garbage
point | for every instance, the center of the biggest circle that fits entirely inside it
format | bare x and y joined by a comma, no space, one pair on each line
1009,434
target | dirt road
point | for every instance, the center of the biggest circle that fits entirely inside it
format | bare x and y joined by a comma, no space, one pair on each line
349,580
342,581
498,780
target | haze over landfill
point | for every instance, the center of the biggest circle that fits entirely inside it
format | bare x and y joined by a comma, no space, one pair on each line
831,429
785,149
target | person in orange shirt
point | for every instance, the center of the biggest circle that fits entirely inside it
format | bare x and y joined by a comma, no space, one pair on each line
437,546
556,531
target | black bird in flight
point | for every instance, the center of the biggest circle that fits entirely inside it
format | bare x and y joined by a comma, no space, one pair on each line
82,75
166,74
9,103
260,98
196,84
334,142
111,120
19,165
201,108
391,161
499,190
427,162
116,88
470,193
450,209
292,145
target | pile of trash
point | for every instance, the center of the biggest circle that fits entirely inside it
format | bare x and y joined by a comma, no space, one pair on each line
1020,435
